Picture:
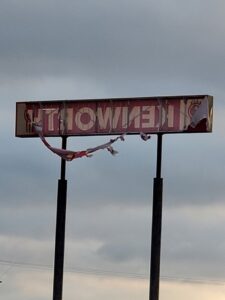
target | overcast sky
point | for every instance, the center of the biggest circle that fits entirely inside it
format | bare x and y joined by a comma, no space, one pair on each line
79,49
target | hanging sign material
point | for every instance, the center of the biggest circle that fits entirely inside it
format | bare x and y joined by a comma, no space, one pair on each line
148,115
71,155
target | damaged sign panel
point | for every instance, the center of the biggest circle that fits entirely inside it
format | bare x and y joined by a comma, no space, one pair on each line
178,114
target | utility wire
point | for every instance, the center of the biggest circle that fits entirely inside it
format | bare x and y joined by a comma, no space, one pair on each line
108,273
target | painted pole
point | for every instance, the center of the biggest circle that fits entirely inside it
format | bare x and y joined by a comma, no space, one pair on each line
60,230
156,225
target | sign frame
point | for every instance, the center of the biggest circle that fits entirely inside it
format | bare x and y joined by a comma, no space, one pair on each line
113,116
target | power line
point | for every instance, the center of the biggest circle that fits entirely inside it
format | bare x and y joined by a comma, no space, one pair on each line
108,273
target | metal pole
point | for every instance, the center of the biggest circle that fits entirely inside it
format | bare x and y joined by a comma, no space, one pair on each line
60,230
156,226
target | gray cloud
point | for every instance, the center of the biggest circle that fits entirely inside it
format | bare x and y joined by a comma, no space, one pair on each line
201,181
102,40
192,236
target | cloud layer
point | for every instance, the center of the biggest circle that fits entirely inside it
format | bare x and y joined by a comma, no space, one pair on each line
96,49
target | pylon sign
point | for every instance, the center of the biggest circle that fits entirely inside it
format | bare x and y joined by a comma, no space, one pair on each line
174,114
118,116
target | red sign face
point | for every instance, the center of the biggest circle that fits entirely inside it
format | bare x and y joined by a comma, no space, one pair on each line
115,116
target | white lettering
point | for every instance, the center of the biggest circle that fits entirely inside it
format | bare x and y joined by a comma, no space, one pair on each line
105,119
34,118
116,116
91,115
66,119
170,116
50,113
162,117
125,117
108,118
148,116
134,116
182,115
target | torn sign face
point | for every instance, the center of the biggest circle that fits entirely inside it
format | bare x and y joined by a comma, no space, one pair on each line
71,155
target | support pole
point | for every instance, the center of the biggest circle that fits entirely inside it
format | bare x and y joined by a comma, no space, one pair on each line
60,230
156,226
